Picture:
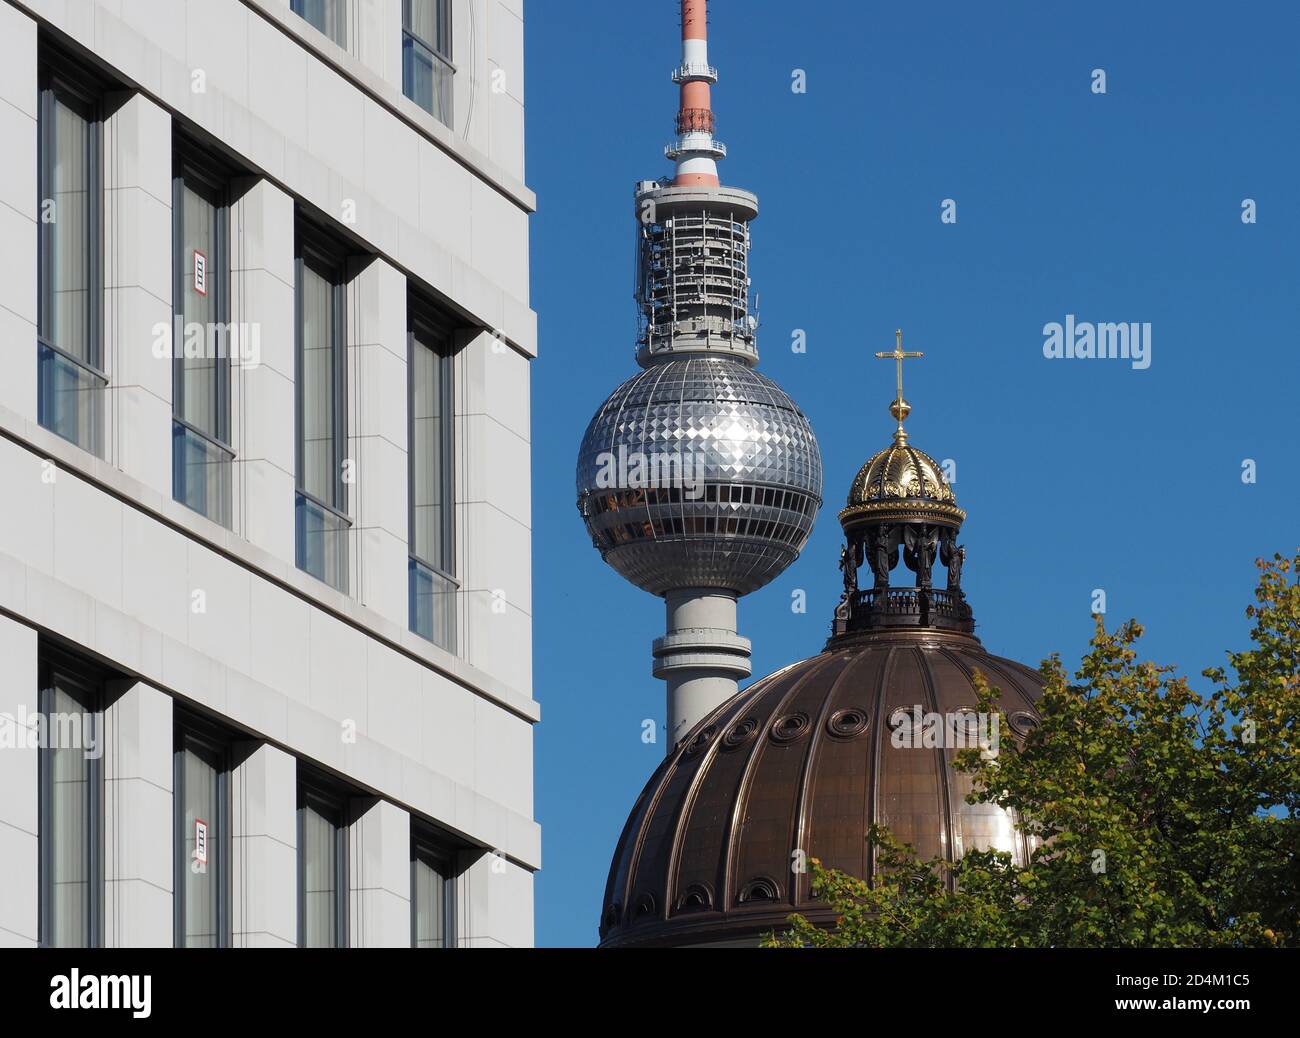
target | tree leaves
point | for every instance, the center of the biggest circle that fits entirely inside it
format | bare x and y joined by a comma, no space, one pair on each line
1163,817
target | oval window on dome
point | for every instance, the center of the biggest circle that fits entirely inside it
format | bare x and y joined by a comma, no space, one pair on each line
900,721
740,733
644,906
846,724
790,727
701,740
695,898
758,890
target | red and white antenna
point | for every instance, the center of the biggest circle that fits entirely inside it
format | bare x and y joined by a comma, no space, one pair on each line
695,151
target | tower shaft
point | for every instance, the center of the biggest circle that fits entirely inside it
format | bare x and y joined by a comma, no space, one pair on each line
702,658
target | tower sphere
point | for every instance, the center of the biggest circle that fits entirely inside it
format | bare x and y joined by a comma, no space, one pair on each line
699,472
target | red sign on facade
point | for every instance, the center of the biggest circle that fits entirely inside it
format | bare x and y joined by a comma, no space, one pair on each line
200,273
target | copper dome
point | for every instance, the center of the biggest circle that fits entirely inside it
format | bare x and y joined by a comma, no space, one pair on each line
803,761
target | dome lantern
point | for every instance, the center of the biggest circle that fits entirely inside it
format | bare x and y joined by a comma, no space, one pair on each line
900,505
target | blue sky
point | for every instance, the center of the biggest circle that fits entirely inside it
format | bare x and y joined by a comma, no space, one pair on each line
1077,474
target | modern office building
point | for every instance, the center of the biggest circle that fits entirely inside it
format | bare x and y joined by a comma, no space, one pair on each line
264,450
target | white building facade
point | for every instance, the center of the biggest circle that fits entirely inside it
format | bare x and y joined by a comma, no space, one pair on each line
265,565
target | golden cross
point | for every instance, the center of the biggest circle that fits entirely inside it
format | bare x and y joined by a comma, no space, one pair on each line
898,355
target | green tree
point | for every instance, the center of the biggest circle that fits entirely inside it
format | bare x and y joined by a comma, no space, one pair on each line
1162,817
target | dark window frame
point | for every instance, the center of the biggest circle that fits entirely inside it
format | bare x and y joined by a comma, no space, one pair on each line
64,77
190,164
330,258
330,261
439,854
197,168
191,729
423,317
442,56
89,681
325,796
444,17
298,7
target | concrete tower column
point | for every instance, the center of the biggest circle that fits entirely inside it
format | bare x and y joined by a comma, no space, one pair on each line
701,656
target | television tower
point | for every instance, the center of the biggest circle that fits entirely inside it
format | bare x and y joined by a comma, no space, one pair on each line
698,478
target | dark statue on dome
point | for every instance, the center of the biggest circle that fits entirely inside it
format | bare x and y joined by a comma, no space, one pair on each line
849,567
952,555
884,556
921,544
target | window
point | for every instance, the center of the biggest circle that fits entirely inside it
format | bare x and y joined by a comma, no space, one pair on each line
329,16
71,803
321,389
202,337
202,827
432,479
433,902
427,71
70,359
322,864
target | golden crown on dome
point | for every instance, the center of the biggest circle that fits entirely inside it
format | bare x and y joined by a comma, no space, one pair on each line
901,483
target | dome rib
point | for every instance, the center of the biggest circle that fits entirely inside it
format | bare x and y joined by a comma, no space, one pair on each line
926,489
662,782
630,885
873,792
991,666
727,890
807,779
941,766
681,822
